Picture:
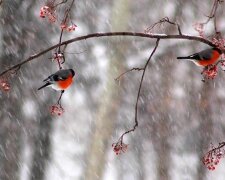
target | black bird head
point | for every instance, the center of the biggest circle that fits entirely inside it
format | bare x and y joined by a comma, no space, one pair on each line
72,72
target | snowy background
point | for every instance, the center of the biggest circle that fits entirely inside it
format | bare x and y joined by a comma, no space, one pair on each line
179,116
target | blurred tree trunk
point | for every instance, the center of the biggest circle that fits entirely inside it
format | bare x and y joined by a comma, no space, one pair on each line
138,155
107,112
17,35
41,148
10,138
205,126
10,116
161,128
162,134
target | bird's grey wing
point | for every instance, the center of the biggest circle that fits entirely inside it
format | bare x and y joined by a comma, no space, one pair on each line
206,54
61,75
50,78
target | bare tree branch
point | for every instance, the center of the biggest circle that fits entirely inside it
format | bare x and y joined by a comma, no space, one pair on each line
65,19
139,91
62,2
212,14
133,69
108,34
162,21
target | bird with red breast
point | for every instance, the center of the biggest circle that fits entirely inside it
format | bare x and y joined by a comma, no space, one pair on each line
204,58
60,80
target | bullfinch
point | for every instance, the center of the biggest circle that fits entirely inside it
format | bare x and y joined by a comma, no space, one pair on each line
60,80
204,58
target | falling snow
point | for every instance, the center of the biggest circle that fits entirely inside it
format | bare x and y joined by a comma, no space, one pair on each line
179,115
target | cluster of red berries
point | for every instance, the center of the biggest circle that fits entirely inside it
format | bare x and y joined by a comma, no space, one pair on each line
56,110
219,42
4,85
210,72
48,12
70,28
119,147
211,159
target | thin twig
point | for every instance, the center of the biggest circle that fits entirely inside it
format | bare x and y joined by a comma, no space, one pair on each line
62,2
133,69
109,34
220,61
221,144
212,14
160,22
60,97
59,63
139,91
64,21
60,40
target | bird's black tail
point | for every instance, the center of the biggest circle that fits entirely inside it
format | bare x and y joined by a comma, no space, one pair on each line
47,84
194,56
182,58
